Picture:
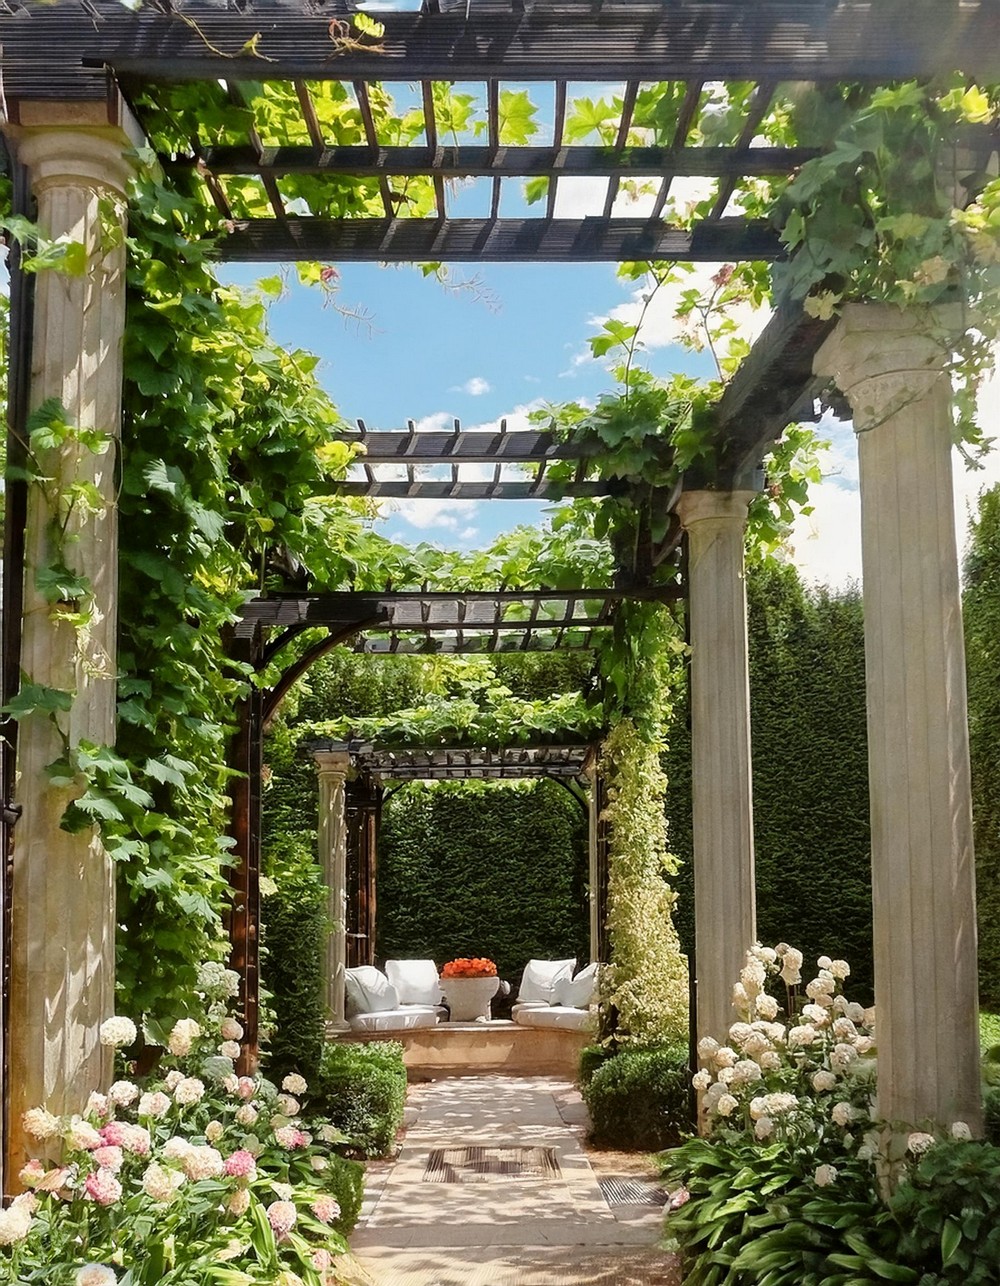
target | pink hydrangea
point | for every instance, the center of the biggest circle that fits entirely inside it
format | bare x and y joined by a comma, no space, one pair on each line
281,1216
245,1088
326,1209
121,1134
241,1164
322,1260
103,1187
289,1136
109,1158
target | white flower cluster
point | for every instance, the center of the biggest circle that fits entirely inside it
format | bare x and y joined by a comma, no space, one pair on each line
771,1074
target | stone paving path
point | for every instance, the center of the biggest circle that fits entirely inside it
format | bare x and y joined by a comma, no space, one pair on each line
500,1230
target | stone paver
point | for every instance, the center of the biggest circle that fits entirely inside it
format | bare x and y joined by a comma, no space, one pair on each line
501,1231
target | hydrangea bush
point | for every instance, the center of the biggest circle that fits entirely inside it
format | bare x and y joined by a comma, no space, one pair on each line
785,1188
193,1176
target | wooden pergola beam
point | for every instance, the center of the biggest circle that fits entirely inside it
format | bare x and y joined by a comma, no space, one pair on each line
48,48
592,240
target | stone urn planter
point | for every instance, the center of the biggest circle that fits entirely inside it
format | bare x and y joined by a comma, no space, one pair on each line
469,998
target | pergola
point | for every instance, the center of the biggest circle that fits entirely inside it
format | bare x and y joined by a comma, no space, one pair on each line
73,80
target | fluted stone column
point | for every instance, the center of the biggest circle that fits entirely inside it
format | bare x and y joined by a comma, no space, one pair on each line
724,896
63,916
333,767
889,364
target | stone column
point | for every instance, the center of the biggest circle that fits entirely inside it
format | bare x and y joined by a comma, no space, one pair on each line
724,895
333,767
63,903
889,364
593,865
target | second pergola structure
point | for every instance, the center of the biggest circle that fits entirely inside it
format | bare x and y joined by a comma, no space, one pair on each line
356,778
72,72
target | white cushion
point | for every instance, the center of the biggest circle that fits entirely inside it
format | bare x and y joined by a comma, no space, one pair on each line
540,977
416,981
369,991
562,1016
578,992
408,1019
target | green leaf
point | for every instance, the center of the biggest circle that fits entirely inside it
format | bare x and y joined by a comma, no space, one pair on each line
35,698
951,1239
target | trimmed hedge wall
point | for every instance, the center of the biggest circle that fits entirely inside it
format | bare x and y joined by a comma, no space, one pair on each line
810,774
497,871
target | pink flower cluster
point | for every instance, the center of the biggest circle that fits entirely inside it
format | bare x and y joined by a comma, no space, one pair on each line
131,1138
290,1136
241,1164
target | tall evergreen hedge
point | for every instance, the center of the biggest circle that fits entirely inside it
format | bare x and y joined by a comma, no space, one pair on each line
810,783
471,870
982,641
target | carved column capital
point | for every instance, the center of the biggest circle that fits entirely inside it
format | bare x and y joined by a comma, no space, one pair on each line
884,358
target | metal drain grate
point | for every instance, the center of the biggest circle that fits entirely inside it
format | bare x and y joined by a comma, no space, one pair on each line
632,1192
478,1164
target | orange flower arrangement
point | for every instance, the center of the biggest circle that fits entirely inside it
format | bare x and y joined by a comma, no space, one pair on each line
465,967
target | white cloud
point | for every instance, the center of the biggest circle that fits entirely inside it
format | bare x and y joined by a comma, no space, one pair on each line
474,387
444,515
827,545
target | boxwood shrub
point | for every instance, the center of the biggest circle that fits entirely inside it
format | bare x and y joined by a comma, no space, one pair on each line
638,1099
362,1090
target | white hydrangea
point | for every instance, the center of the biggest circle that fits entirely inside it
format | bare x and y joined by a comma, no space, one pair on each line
725,1057
40,1124
154,1104
823,1081
173,1079
15,1224
845,1029
202,1162
803,1035
815,1014
763,1127
746,1072
81,1136
182,1036
766,954
825,1175
118,1032
840,969
97,1104
214,1131
770,1060
217,982
231,1029
756,1045
961,1131
95,1275
727,1105
160,1182
726,1075
741,1000
229,1049
855,1012
740,1033
791,965
246,1114
239,1203
189,1090
753,976
294,1083
122,1093
824,962
842,1056
288,1106
701,1080
843,1113
706,1048
919,1142
766,1006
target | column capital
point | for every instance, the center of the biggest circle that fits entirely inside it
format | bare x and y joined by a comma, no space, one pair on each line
882,357
75,155
332,763
713,506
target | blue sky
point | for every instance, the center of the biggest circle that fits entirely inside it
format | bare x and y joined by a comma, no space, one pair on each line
516,339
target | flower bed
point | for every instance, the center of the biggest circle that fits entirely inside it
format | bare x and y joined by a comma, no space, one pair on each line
193,1176
469,967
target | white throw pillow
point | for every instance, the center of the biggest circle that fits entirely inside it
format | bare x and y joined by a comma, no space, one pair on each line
416,981
579,992
369,991
540,978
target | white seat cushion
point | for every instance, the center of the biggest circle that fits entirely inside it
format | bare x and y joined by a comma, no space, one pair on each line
554,1016
416,981
579,992
369,991
540,977
408,1019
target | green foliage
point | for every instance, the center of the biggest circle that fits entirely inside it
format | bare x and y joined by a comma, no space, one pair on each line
948,1212
639,1100
755,1215
981,613
810,773
362,1090
878,216
483,870
591,1058
991,1116
294,930
989,1029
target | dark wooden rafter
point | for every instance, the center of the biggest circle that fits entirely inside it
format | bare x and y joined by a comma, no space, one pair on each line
57,54
464,763
387,451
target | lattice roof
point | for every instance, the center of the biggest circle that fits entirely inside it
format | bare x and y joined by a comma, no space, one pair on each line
464,763
93,48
